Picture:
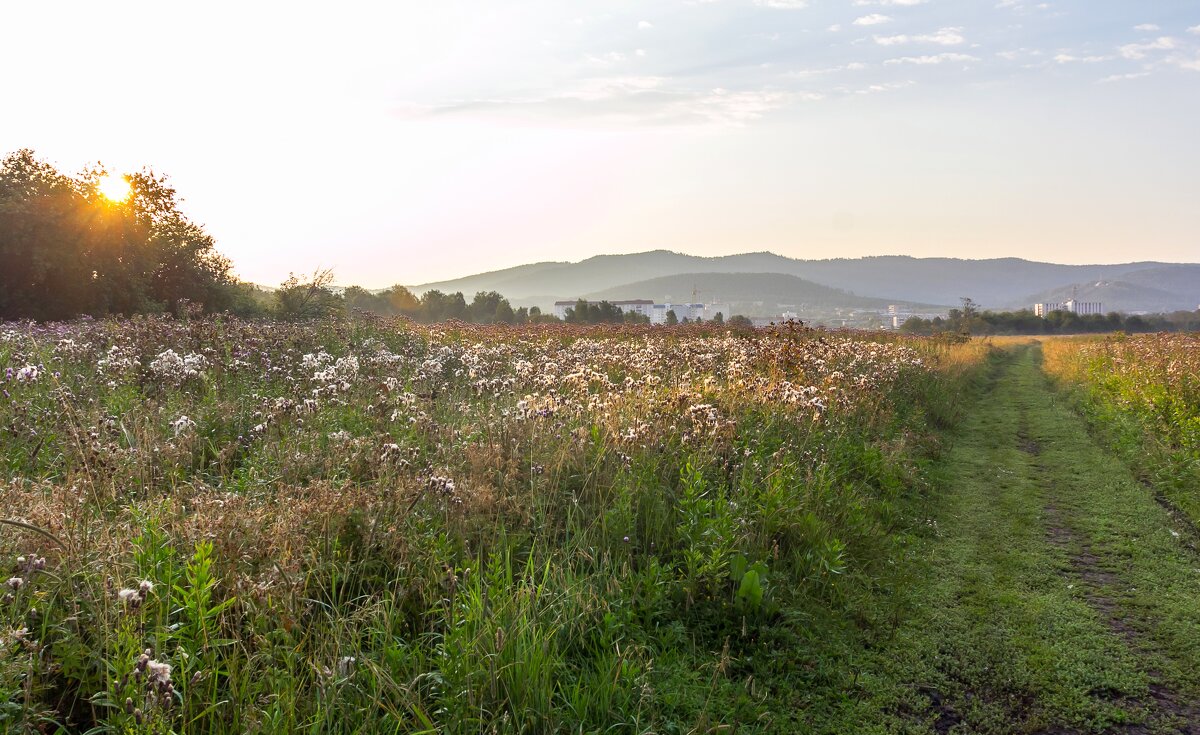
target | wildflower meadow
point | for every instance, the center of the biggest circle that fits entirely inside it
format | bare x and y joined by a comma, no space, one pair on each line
365,525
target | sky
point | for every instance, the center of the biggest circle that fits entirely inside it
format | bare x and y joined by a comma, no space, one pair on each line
408,142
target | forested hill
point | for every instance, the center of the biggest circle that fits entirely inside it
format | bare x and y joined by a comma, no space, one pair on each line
744,291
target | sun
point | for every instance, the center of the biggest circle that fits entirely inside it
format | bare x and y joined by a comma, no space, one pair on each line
114,188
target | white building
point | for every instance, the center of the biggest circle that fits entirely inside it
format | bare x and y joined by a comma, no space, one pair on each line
1072,305
691,312
711,311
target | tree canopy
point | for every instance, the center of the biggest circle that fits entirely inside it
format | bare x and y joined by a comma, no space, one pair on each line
66,249
974,322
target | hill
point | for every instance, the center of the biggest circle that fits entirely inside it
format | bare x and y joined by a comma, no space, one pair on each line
993,283
753,294
1120,296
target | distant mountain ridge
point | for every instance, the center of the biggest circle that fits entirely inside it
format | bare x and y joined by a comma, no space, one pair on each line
993,283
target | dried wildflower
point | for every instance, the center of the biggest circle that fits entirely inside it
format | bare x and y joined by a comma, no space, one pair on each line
158,673
15,583
130,597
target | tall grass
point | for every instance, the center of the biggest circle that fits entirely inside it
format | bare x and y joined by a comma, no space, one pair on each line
1143,393
219,526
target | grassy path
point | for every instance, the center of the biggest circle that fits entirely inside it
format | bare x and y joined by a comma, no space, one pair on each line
1059,596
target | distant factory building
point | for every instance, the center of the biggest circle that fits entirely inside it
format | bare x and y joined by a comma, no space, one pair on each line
1074,306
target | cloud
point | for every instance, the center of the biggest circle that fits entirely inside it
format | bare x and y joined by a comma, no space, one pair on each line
873,19
612,57
1194,30
1147,27
644,25
783,4
1138,50
885,87
1014,54
1123,77
1069,59
635,100
932,60
818,71
834,28
890,3
951,36
1182,62
1022,7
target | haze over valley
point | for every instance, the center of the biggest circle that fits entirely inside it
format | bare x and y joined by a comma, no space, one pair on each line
763,284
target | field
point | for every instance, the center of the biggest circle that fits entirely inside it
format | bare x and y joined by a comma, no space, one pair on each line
1144,392
225,526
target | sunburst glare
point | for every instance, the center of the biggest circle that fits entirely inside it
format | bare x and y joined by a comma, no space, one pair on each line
113,187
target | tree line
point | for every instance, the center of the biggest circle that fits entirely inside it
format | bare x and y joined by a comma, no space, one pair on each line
315,296
970,320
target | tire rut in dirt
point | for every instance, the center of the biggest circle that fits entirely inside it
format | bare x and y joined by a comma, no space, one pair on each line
1166,708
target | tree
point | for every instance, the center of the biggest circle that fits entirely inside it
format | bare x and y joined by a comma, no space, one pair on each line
402,301
308,299
672,320
719,318
489,307
66,249
357,298
741,322
437,306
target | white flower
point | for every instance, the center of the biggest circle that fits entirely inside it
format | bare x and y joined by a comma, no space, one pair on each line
183,425
172,368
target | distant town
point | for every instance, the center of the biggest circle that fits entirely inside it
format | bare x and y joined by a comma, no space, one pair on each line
893,317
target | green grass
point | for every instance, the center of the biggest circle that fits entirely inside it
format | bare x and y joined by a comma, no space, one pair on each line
939,550
1053,593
